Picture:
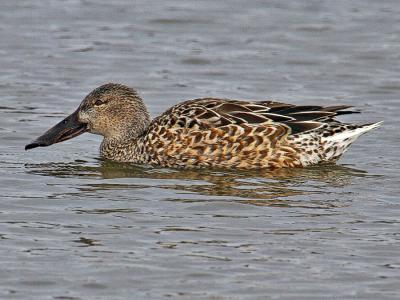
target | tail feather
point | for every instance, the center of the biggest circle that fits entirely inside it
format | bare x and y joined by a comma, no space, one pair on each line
328,143
343,136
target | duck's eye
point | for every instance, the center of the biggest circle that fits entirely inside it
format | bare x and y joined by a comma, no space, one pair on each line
98,102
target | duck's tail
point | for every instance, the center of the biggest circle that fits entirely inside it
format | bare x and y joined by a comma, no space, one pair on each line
328,143
337,138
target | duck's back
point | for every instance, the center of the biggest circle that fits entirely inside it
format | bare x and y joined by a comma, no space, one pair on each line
214,132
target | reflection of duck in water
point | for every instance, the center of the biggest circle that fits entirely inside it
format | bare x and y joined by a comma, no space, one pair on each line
280,187
248,185
208,132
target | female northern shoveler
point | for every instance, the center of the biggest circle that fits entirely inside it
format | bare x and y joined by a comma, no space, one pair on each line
208,132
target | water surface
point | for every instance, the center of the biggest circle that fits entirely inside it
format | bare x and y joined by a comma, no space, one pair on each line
73,226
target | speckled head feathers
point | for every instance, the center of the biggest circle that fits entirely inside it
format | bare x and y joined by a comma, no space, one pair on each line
120,91
115,111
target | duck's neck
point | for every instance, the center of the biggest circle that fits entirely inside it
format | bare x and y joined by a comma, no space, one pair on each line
123,150
125,143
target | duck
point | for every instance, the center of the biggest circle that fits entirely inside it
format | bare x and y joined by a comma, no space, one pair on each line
209,132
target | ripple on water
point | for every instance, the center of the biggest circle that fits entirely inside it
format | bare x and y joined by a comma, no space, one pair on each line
75,227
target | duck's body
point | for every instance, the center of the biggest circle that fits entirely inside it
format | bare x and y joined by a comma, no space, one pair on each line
213,132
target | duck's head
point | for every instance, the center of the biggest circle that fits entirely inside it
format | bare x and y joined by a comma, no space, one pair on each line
114,111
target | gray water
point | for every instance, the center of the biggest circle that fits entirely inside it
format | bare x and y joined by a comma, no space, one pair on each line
75,227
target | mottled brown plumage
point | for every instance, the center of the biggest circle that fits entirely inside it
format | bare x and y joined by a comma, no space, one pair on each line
213,132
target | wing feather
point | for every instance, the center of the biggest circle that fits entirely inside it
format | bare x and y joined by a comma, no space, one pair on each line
209,113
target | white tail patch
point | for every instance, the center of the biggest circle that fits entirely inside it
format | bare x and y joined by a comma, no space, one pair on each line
338,143
353,133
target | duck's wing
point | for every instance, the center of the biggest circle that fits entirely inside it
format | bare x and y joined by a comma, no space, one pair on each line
213,113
